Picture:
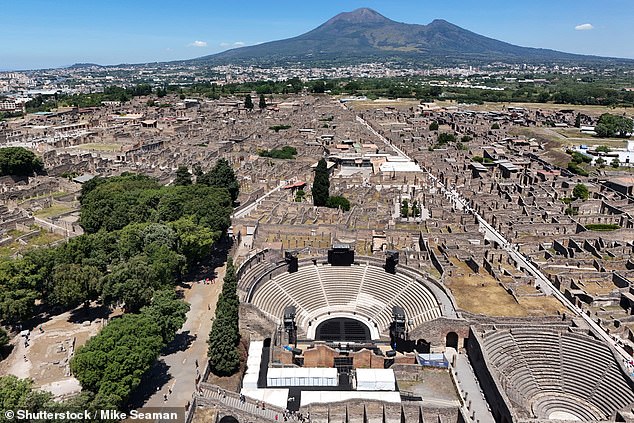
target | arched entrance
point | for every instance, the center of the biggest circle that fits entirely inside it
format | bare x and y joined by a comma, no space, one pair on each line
342,329
452,340
228,419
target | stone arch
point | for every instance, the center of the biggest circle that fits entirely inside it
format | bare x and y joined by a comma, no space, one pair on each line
228,419
451,340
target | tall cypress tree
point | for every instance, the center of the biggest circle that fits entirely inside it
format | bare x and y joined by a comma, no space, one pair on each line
248,102
223,341
321,184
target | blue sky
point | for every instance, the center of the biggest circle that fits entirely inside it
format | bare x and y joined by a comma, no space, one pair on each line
50,33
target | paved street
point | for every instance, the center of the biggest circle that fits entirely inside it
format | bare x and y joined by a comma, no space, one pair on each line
182,364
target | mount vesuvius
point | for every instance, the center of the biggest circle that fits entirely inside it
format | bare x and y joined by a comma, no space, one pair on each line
364,35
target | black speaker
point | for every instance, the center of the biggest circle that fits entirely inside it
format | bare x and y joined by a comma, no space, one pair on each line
341,255
391,260
291,261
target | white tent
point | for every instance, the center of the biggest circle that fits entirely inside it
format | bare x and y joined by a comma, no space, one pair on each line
250,381
254,357
375,380
277,397
302,376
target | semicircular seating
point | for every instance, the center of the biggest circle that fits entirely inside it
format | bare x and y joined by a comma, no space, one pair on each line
567,365
364,290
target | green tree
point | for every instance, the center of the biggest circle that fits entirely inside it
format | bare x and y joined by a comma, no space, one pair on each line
603,149
405,208
433,126
578,120
248,102
321,184
74,284
225,335
19,161
183,177
610,125
580,191
445,138
112,363
336,202
222,176
193,241
20,287
131,284
19,394
319,87
262,103
495,126
168,311
600,162
416,209
615,163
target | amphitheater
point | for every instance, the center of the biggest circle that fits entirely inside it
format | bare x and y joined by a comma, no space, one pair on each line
537,369
549,374
363,291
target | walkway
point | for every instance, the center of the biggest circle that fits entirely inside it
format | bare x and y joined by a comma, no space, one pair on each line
231,399
181,365
475,404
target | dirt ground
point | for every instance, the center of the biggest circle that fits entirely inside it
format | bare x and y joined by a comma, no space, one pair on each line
481,294
436,384
47,356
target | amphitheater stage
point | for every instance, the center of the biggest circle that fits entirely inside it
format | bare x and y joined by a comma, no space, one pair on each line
342,329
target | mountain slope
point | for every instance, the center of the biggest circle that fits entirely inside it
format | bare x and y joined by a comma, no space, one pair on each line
364,35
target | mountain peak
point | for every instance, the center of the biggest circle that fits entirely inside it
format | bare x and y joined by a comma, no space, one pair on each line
359,16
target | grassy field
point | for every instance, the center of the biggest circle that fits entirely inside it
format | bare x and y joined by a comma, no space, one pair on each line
54,210
43,238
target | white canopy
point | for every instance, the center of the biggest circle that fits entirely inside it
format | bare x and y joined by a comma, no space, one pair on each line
375,380
277,397
302,376
254,358
250,381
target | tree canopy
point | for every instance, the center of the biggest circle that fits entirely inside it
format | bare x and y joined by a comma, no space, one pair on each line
614,126
222,176
19,161
580,191
112,363
286,152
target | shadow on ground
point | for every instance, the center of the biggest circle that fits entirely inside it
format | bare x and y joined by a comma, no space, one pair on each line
152,381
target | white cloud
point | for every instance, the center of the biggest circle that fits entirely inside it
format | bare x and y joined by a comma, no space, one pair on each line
584,27
236,44
198,44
